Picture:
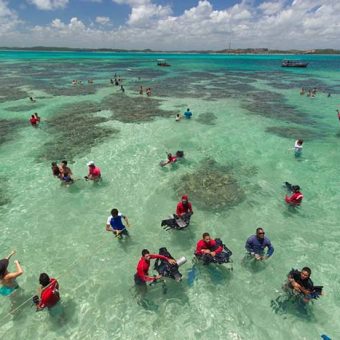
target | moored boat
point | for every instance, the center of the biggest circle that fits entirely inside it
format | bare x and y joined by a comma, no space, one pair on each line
162,62
293,63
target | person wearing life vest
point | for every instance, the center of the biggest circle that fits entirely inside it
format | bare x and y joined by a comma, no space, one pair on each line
34,121
296,198
207,248
184,207
142,275
49,293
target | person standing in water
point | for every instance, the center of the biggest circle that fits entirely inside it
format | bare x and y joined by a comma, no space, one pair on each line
49,293
94,172
115,224
33,121
188,114
7,279
296,198
298,147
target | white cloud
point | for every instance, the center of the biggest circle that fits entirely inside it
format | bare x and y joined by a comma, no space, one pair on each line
102,20
8,18
49,4
281,24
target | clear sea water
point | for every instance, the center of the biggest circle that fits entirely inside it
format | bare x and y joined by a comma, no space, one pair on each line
247,113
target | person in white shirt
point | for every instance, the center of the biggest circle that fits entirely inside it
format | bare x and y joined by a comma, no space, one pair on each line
298,147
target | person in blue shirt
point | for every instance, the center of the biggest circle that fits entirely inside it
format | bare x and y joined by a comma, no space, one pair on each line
256,245
187,114
115,224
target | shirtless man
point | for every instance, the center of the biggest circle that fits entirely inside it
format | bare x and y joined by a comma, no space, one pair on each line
7,279
66,173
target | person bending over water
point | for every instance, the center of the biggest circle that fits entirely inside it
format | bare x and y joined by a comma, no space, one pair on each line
49,293
296,198
142,275
7,279
94,172
115,224
256,245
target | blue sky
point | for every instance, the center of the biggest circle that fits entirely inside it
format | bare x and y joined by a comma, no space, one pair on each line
171,24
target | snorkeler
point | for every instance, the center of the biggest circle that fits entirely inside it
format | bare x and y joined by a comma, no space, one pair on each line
142,275
296,198
115,224
256,245
94,172
7,279
49,293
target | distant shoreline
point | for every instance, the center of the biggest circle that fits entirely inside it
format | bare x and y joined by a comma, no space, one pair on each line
250,51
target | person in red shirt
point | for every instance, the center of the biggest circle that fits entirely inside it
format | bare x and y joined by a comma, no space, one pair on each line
142,275
184,207
34,121
94,172
207,248
296,198
49,293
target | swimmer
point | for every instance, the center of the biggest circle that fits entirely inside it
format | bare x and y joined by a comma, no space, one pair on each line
49,293
94,172
122,88
32,100
329,95
7,279
187,114
178,117
114,223
171,159
74,82
148,91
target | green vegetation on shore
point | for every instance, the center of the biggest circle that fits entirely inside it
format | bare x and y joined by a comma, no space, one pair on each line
225,51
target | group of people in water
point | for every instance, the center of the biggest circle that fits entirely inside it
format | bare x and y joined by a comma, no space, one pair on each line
208,250
64,173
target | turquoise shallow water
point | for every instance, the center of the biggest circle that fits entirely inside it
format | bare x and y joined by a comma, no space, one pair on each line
247,113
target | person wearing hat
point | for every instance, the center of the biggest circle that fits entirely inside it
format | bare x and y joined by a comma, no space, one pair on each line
7,279
296,198
94,172
256,245
184,207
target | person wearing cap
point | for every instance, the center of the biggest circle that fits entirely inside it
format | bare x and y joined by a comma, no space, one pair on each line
94,172
7,279
184,207
256,245
296,198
